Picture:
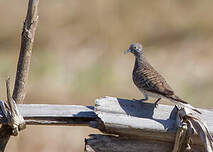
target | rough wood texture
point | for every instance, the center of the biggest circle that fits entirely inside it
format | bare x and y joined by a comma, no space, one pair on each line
104,143
5,132
27,40
44,114
141,120
23,64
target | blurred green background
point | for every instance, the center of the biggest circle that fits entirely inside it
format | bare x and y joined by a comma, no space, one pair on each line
78,56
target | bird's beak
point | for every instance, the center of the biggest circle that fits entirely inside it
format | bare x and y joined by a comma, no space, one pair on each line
127,51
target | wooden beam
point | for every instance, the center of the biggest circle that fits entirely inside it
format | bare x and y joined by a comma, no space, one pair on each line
124,118
46,114
107,143
141,120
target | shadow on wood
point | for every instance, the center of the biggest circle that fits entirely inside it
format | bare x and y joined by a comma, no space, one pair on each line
147,110
141,120
106,143
45,114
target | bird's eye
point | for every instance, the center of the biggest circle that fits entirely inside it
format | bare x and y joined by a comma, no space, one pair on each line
134,47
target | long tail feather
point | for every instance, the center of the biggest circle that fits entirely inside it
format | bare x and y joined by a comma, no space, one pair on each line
183,103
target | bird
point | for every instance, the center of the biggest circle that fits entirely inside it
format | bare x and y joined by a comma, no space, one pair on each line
150,82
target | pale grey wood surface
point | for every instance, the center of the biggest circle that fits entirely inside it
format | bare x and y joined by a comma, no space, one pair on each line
47,114
106,143
141,120
126,118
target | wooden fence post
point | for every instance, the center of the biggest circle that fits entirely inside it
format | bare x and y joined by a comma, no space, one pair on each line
23,65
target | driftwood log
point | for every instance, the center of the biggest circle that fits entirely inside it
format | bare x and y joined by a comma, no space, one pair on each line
127,123
44,114
133,120
109,143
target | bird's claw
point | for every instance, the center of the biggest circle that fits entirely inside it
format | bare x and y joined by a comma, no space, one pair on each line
156,105
156,102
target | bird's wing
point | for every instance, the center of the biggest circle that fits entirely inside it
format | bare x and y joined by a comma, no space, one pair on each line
149,79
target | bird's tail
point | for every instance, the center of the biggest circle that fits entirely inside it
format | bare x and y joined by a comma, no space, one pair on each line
183,103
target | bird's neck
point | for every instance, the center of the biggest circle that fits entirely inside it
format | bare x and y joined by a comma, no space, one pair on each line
140,59
140,63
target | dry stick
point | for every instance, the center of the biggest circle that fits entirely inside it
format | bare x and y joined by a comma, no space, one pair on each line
9,97
14,119
23,66
180,136
5,130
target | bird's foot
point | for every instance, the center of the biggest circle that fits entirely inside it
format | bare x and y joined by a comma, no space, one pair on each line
156,105
156,102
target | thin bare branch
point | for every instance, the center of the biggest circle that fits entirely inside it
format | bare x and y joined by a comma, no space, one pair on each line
27,40
9,97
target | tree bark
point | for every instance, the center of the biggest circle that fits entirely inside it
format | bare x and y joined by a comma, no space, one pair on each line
27,40
23,65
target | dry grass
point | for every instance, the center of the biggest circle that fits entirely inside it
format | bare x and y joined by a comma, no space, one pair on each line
78,56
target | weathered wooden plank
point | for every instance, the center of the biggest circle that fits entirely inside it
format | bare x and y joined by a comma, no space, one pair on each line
106,143
141,120
46,114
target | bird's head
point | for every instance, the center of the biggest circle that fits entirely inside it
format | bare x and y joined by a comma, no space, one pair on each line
135,48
